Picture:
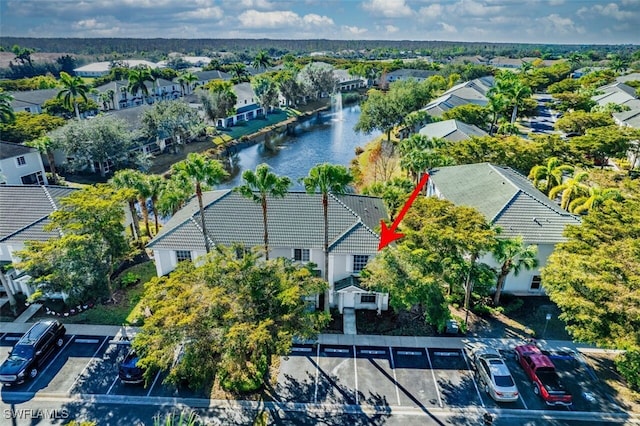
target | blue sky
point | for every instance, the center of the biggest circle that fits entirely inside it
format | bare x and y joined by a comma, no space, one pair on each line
526,21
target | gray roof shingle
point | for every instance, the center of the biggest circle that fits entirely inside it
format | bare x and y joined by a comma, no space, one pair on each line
506,198
294,221
25,209
10,150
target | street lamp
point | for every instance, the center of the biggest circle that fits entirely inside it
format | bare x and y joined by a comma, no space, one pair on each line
548,317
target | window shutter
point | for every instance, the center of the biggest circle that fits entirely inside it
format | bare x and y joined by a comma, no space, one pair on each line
349,263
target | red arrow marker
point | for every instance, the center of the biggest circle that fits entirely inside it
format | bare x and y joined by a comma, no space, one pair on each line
389,235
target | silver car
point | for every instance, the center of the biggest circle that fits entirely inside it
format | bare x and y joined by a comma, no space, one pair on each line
495,376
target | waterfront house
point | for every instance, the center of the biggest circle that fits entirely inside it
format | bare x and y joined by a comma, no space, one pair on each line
451,130
296,231
510,201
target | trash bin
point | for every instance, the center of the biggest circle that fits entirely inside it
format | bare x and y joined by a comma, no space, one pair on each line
452,327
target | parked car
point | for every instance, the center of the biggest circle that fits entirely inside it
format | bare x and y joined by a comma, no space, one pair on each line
128,370
31,352
494,375
543,375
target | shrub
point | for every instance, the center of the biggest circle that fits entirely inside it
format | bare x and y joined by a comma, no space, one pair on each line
513,306
628,365
129,279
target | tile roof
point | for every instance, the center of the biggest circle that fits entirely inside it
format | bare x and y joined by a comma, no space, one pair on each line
25,209
294,221
10,150
212,75
451,130
506,198
32,97
350,281
628,118
449,101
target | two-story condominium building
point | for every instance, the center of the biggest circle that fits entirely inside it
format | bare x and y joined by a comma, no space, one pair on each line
21,165
296,231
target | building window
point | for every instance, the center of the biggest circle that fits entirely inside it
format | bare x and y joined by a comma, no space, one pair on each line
301,255
21,161
33,179
359,262
182,255
535,282
367,298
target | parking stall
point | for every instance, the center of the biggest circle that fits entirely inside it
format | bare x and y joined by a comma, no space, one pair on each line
336,381
416,381
455,380
298,374
102,370
375,378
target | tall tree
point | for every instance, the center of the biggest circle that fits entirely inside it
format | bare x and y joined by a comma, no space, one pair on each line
260,185
138,78
7,114
262,60
92,245
239,73
327,179
156,185
46,146
287,84
549,175
202,172
595,199
513,256
72,88
219,101
230,317
126,181
171,119
266,90
571,189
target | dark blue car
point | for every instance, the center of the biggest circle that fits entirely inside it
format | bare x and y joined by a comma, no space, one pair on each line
129,372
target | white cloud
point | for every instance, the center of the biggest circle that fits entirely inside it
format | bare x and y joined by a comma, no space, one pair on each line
283,18
556,2
204,13
388,8
473,8
391,29
88,24
354,30
253,4
613,11
556,24
448,28
431,11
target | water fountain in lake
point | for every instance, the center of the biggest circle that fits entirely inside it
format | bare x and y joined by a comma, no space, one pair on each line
336,107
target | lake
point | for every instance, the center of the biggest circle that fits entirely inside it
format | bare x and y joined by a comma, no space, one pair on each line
327,138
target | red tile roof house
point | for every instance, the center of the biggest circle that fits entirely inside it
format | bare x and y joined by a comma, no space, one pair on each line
296,231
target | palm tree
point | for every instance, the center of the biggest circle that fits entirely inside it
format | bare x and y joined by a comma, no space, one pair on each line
551,174
262,60
575,59
597,197
73,87
525,67
174,194
201,171
512,255
327,178
137,79
496,106
190,78
260,184
155,184
125,180
7,114
183,83
239,72
570,189
519,93
111,94
46,146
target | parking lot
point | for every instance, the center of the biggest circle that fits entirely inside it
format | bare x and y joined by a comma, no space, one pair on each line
424,378
376,376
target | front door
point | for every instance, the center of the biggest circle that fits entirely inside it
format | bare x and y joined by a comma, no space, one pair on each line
349,300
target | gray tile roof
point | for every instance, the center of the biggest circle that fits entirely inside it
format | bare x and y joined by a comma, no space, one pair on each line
350,281
506,198
212,75
628,118
10,150
294,221
32,97
449,101
25,209
451,130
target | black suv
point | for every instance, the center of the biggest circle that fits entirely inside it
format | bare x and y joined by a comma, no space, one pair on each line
128,371
31,351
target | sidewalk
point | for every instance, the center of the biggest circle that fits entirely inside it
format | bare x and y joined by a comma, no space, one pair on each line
335,339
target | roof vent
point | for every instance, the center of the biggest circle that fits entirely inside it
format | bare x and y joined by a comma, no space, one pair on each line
537,221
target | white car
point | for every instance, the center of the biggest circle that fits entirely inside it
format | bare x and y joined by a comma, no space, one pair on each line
495,377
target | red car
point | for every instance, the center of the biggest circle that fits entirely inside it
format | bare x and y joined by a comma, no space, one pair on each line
542,373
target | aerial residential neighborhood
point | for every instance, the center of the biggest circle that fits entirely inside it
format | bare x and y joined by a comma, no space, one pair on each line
302,213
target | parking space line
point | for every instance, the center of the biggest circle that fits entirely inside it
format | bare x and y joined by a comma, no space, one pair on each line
112,385
2,337
395,379
315,393
86,340
60,350
433,374
12,338
154,383
473,377
355,370
87,365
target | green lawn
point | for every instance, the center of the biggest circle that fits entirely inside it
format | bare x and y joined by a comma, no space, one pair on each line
245,128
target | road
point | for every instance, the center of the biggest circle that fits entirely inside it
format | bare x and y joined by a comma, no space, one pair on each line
545,118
